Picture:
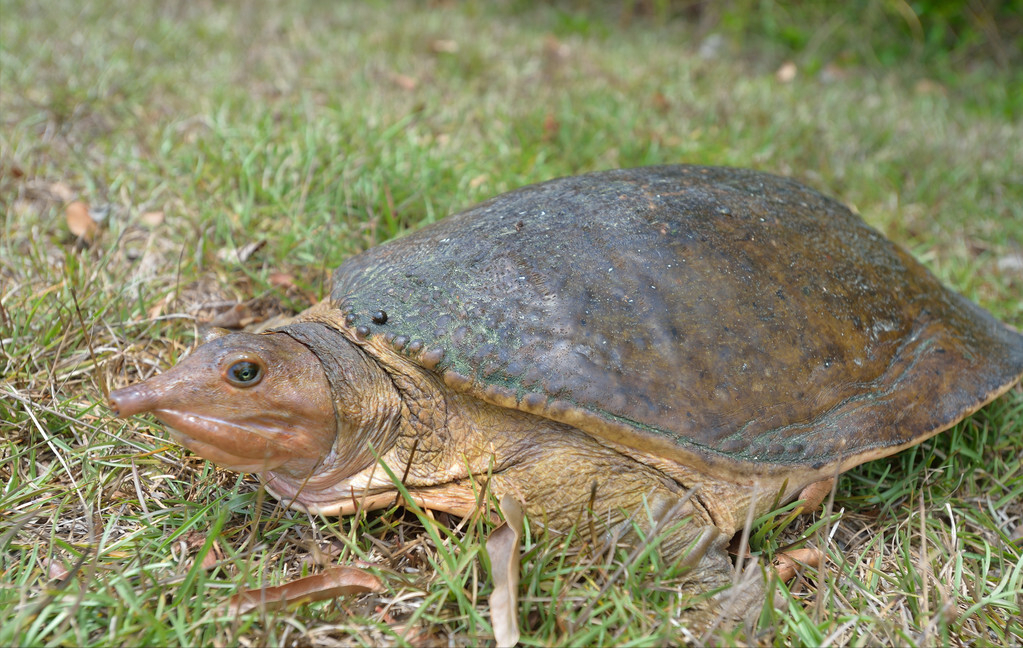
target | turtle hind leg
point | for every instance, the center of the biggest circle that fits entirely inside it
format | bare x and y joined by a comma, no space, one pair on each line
638,508
721,594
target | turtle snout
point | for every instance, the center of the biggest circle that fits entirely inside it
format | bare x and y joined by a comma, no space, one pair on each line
131,400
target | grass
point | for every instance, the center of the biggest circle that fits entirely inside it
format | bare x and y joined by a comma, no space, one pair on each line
201,128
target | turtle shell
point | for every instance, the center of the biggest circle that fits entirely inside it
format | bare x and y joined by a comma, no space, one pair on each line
712,315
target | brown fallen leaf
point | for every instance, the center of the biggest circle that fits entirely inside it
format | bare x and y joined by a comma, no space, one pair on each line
790,563
60,191
282,280
13,171
334,582
212,557
660,102
555,50
443,46
404,81
735,545
503,549
158,309
152,218
786,73
80,221
193,541
551,127
56,569
929,87
233,318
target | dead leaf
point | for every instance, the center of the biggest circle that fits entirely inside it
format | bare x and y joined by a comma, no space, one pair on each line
790,563
660,102
80,222
786,73
405,82
929,87
550,127
152,218
321,555
159,307
212,557
735,545
193,541
554,50
286,282
334,582
282,280
13,171
443,46
235,317
504,552
55,569
61,191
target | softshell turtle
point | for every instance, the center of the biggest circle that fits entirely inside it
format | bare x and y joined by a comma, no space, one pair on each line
617,340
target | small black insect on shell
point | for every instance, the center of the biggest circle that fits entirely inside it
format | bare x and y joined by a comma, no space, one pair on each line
380,317
350,319
362,332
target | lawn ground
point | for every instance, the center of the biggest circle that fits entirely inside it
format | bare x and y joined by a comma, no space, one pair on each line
165,165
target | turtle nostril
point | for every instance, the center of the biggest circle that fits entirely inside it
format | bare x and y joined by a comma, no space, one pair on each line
134,399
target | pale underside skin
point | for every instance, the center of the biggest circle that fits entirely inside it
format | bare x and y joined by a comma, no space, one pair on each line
728,500
372,488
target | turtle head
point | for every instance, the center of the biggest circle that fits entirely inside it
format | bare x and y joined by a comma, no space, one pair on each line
251,403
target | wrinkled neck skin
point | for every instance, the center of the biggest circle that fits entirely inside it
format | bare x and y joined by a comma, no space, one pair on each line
391,410
367,408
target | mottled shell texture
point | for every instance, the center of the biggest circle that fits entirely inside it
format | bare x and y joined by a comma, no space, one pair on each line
719,314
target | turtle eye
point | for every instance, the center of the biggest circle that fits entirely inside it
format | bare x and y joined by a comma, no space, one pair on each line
244,373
